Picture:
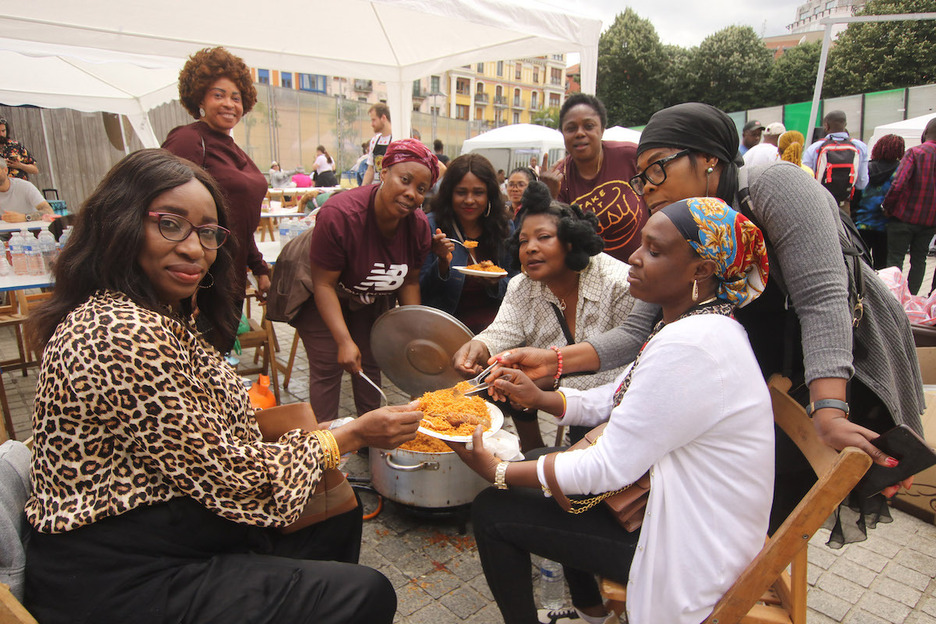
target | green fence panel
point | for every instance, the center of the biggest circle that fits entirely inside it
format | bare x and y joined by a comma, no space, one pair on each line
796,116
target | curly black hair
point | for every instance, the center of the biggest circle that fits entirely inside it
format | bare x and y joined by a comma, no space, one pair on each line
204,68
575,228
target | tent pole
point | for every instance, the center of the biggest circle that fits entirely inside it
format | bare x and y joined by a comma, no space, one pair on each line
823,57
45,137
123,135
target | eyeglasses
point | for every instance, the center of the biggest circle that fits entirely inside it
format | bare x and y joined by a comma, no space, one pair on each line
517,185
176,228
655,173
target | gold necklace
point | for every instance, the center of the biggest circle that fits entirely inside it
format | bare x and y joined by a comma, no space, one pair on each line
562,303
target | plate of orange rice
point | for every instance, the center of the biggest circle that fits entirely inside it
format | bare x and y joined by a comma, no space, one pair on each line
485,268
449,415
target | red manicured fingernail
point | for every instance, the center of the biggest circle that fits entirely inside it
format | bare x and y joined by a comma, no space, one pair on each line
499,358
891,462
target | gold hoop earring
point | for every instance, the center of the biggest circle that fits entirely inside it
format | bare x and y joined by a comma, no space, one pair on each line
695,290
202,284
488,212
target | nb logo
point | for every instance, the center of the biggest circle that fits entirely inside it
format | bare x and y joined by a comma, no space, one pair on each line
383,278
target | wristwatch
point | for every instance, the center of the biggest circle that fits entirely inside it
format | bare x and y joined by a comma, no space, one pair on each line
500,475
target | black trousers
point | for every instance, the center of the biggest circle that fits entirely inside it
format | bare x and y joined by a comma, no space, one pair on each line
178,562
509,525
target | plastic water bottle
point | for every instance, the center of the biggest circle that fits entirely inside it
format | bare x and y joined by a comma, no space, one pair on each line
284,232
34,264
295,229
18,253
48,249
63,238
5,268
552,585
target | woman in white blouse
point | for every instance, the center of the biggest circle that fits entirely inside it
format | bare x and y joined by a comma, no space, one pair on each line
324,168
692,410
568,291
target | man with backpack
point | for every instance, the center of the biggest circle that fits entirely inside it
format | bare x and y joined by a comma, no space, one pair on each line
840,162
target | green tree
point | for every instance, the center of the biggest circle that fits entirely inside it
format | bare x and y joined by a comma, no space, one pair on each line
548,117
631,65
884,55
793,75
730,68
676,84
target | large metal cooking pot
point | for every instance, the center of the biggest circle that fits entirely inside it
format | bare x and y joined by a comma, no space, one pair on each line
424,479
413,346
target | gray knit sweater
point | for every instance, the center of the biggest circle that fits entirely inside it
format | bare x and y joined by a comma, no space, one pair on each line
799,218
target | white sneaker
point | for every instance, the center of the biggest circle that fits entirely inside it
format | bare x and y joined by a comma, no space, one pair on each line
558,616
566,615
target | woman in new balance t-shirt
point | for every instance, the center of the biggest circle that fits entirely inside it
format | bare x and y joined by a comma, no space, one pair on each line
368,246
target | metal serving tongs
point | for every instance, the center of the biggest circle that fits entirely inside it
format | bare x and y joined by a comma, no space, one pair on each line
376,387
477,382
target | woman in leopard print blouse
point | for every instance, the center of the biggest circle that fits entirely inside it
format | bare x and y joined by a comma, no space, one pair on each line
157,491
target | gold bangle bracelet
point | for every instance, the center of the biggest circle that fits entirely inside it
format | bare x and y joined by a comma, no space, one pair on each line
565,405
329,459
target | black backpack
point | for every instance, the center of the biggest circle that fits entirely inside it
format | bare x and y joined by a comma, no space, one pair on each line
837,167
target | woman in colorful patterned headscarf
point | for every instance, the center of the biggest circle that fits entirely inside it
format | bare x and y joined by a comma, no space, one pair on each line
719,233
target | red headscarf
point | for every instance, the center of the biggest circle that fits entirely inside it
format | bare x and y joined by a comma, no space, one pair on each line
411,150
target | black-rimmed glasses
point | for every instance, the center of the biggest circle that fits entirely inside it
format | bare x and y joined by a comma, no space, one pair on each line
177,228
655,173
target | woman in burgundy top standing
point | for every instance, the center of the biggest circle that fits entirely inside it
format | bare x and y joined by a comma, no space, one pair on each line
366,251
216,88
595,175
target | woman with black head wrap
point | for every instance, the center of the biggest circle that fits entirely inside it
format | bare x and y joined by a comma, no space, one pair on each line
802,326
568,292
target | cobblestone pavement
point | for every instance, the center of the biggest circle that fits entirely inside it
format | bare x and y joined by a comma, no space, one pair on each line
890,578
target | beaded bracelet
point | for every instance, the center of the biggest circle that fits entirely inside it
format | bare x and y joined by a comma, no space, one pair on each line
558,366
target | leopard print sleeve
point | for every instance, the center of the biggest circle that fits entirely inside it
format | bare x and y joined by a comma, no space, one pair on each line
132,409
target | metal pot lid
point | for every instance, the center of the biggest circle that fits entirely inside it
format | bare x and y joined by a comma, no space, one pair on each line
414,345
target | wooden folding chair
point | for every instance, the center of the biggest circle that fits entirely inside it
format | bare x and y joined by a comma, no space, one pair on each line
11,611
14,314
766,593
262,338
286,369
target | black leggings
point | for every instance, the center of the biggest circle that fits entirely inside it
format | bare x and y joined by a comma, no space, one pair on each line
509,525
178,562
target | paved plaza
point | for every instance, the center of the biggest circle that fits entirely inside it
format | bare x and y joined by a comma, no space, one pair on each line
890,578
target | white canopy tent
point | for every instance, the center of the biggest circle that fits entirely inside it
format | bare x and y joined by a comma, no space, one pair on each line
88,80
618,133
396,41
511,146
910,129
